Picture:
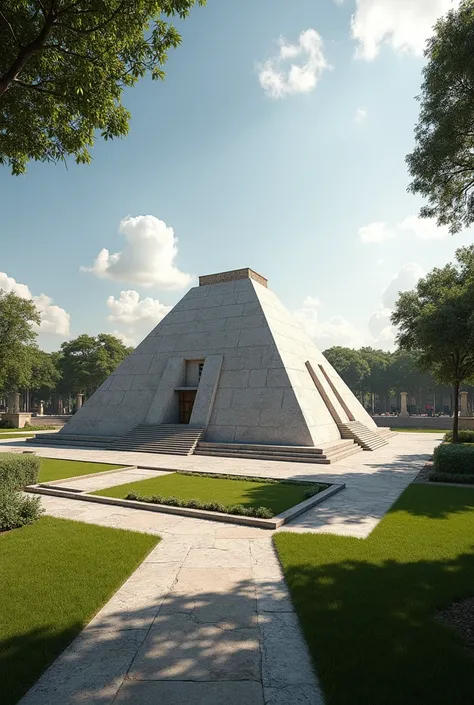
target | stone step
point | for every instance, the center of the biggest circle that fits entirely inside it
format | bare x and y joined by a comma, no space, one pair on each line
262,446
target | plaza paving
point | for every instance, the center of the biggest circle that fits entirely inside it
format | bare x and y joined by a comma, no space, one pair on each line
207,617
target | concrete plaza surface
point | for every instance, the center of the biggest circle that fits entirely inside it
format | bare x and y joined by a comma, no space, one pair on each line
207,617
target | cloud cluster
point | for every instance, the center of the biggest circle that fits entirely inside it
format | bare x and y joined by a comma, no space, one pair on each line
422,228
405,25
306,65
338,331
53,318
360,115
334,331
147,257
136,316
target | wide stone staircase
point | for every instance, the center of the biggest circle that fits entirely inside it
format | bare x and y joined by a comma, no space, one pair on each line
365,437
299,454
174,439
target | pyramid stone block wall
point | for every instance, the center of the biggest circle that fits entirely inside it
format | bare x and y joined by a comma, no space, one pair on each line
256,386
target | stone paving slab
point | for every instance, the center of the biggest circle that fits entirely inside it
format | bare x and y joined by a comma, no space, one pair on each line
207,617
185,693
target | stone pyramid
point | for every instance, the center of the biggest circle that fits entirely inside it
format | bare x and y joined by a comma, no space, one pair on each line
230,358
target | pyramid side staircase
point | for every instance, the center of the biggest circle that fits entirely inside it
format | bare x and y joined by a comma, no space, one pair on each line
365,437
336,450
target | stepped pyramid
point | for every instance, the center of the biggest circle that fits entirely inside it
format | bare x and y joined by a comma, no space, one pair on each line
227,366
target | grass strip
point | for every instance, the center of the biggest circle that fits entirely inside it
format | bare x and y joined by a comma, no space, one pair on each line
367,606
55,575
58,469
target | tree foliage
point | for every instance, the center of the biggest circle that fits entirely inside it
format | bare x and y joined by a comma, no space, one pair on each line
436,319
64,65
87,361
350,365
17,338
442,163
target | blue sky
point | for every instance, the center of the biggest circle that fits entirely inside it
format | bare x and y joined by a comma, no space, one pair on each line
298,173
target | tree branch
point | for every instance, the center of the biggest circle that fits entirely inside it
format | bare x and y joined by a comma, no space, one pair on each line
26,52
37,87
10,28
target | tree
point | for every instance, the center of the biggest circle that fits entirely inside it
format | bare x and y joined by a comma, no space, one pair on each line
64,65
350,365
17,338
377,381
87,361
442,163
436,320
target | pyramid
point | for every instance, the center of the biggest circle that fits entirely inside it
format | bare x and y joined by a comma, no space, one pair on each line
230,359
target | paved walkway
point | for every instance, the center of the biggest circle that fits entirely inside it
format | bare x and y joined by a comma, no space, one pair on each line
207,617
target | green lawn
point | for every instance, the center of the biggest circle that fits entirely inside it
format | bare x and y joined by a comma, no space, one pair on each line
420,430
19,436
55,469
366,605
275,496
55,575
30,428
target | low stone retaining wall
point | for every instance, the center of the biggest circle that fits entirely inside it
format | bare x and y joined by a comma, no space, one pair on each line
443,423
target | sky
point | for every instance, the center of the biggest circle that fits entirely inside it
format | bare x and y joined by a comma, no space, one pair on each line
277,141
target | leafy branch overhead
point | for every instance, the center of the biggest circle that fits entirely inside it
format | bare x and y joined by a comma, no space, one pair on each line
64,65
442,162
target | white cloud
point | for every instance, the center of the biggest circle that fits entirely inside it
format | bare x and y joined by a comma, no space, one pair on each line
379,332
147,257
360,115
53,318
405,25
405,279
334,331
138,316
375,232
424,228
278,81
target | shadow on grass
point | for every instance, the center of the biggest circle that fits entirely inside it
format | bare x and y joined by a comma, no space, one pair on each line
177,647
371,631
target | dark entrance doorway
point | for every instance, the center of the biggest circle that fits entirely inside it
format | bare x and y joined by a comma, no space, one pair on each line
186,402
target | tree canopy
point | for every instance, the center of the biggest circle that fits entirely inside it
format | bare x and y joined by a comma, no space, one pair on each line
436,320
64,65
17,338
442,163
351,366
87,361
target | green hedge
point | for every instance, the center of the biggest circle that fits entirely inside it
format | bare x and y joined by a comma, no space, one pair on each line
452,477
465,436
454,459
239,509
17,471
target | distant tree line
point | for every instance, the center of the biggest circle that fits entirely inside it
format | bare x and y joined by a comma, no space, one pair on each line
78,367
377,377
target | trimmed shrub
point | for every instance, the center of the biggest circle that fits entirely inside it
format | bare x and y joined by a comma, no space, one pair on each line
452,477
6,424
457,459
17,510
239,509
465,436
17,471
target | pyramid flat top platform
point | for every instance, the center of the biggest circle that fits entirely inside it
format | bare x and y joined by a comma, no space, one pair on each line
232,276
